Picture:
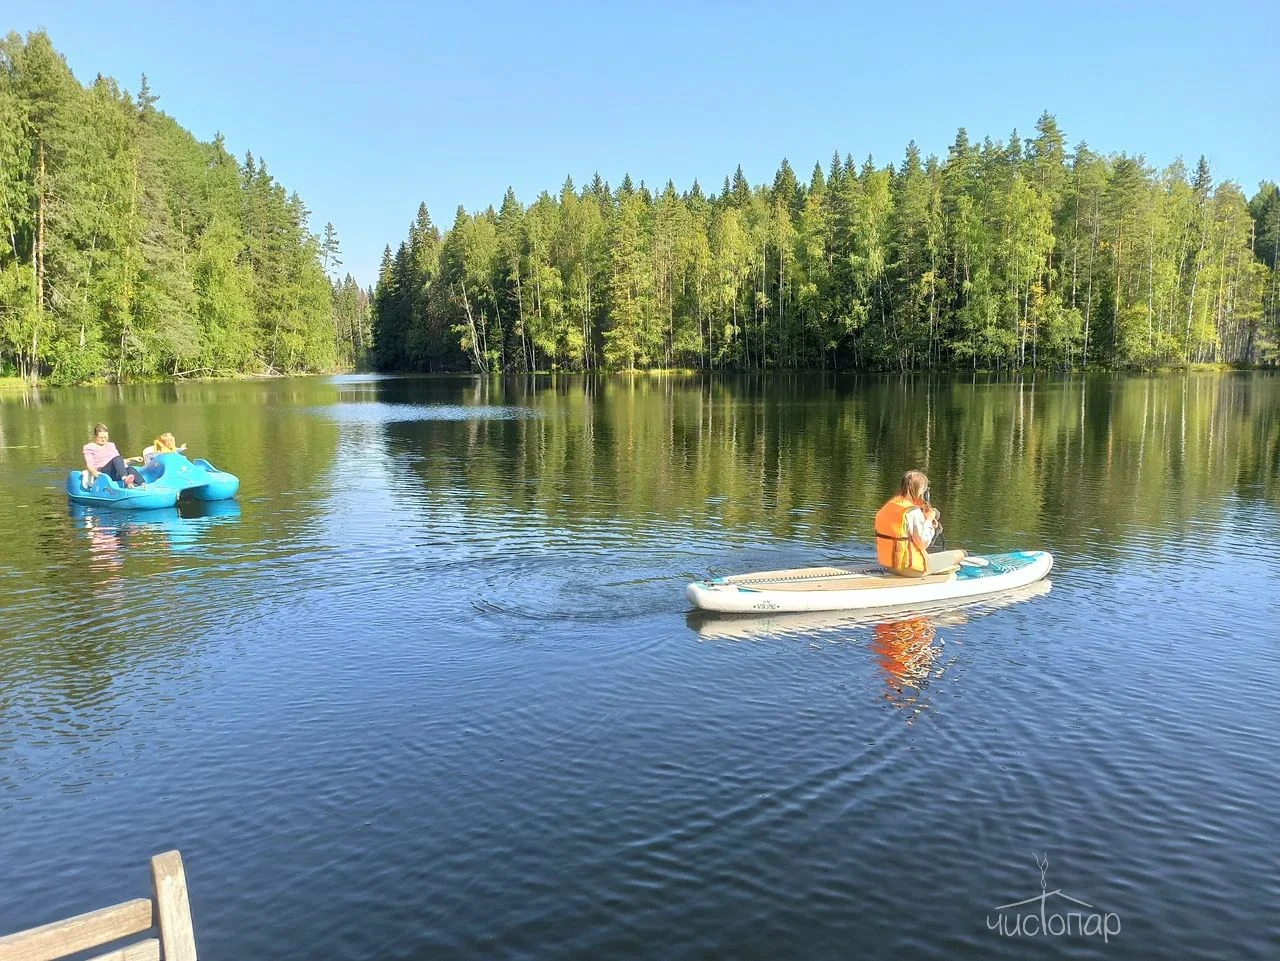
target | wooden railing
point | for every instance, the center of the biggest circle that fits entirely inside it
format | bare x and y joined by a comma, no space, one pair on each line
169,915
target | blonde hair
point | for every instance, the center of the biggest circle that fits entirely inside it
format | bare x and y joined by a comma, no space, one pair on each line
914,484
165,443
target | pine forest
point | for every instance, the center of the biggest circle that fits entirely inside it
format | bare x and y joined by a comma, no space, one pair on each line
129,249
1003,255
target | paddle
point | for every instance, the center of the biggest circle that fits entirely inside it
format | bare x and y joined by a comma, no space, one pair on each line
939,543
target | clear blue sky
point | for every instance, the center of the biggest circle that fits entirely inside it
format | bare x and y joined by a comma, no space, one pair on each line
366,109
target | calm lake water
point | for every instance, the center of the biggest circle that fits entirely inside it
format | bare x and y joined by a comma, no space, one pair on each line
430,688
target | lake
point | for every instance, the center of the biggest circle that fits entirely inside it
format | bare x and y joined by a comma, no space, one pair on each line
430,687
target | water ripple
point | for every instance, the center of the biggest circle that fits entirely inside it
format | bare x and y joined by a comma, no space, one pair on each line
431,688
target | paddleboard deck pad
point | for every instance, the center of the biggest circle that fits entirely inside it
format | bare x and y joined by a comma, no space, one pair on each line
865,588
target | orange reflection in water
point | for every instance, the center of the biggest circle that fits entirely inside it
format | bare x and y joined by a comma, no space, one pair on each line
906,652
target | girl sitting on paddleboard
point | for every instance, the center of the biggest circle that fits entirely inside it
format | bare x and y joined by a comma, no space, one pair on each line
906,526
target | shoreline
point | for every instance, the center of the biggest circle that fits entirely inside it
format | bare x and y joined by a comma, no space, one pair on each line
15,384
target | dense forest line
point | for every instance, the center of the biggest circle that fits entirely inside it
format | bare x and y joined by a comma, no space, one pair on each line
1005,254
128,248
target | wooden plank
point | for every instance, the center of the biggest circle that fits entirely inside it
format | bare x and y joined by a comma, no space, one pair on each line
148,950
80,933
173,910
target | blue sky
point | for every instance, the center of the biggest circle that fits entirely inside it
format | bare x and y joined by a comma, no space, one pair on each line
366,109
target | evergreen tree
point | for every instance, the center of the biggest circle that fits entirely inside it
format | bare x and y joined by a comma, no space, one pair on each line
330,250
130,248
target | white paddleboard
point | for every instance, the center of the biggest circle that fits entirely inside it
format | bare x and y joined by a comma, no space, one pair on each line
865,588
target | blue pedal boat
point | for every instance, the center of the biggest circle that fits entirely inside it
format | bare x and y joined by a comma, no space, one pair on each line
204,481
104,492
168,477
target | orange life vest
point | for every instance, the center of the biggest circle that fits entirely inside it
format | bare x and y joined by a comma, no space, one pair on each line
894,549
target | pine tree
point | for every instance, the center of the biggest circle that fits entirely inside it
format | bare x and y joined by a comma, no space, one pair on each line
330,251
